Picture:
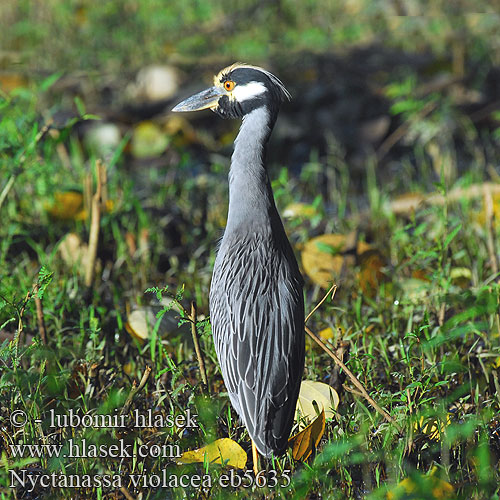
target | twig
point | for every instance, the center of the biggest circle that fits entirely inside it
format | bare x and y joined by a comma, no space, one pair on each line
39,315
62,152
348,372
197,349
126,493
354,380
405,206
95,222
20,326
333,289
87,195
352,391
22,159
135,389
483,113
7,188
490,229
400,132
103,175
409,445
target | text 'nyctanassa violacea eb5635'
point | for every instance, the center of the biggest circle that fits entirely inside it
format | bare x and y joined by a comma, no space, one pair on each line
256,299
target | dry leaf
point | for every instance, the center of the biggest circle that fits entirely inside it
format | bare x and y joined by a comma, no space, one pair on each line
407,203
12,81
325,396
421,274
103,138
154,83
131,243
415,289
140,323
223,451
308,440
371,263
73,251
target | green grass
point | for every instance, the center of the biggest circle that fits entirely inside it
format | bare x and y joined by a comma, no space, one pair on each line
425,343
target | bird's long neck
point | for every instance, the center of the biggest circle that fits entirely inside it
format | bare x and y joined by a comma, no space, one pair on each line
251,202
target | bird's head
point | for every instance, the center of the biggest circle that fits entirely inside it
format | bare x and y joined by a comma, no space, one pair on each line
238,90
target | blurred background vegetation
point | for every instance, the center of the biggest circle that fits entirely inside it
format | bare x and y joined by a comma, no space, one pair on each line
385,166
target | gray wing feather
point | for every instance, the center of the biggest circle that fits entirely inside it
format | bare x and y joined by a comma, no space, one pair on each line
257,315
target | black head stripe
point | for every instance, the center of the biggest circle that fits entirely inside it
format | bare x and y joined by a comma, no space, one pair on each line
243,75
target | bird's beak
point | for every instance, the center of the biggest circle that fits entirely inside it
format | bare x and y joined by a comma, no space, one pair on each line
205,99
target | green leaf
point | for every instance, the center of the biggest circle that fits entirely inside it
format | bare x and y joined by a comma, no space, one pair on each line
88,116
324,247
452,235
80,106
44,278
49,81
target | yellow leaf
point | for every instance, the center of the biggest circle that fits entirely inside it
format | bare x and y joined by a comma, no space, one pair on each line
149,140
481,217
223,451
81,16
325,396
327,333
295,210
432,427
109,206
439,489
461,276
67,205
128,368
175,124
308,440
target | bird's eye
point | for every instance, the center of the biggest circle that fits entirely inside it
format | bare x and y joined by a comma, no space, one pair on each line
229,85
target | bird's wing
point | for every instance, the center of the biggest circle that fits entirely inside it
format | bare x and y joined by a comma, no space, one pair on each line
257,314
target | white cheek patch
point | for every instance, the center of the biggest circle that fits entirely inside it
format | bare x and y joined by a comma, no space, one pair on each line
248,91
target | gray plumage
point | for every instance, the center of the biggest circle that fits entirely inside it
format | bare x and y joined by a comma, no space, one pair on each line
256,300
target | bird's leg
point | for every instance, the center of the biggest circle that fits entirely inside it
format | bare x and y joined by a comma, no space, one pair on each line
255,456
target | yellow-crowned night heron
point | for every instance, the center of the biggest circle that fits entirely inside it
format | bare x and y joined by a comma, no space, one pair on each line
256,300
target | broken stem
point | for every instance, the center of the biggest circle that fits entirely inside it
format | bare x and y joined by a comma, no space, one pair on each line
95,221
353,379
197,349
39,314
135,389
332,289
490,229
